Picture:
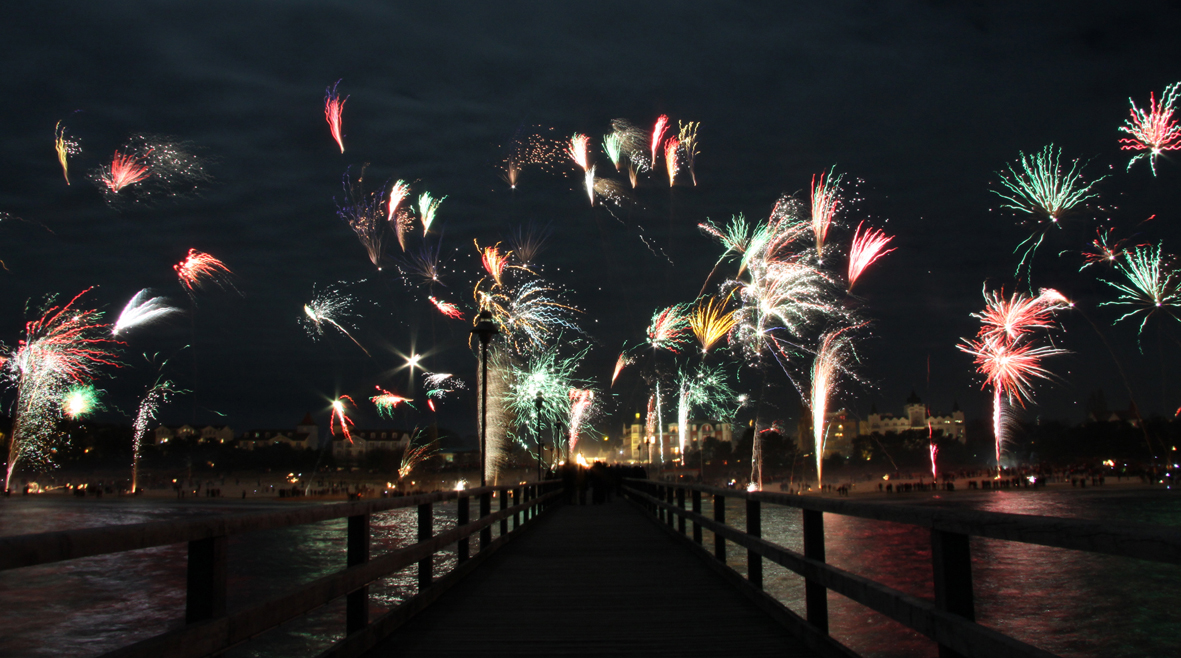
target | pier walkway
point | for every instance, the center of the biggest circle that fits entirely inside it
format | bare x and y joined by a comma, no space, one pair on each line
593,580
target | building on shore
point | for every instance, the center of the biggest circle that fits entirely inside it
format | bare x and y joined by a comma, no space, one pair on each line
638,447
208,434
915,416
365,441
305,436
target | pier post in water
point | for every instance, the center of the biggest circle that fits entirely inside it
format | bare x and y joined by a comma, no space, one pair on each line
696,510
754,528
462,517
485,510
681,504
815,594
720,517
205,597
357,552
426,529
952,562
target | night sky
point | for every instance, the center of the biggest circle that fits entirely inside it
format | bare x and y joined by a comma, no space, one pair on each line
920,102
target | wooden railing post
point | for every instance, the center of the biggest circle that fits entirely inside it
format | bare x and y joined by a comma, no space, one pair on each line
503,495
754,528
720,517
485,510
517,495
815,594
426,530
463,517
696,510
660,497
952,561
357,552
681,504
205,597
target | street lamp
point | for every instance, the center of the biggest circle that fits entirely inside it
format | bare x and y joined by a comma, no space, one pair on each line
485,329
540,446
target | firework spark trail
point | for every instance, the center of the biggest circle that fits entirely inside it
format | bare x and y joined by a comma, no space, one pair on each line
549,376
613,147
334,112
424,264
1004,353
148,406
865,250
333,307
704,387
579,150
386,402
1152,284
439,384
428,207
825,201
688,138
199,268
498,399
66,344
670,329
650,425
581,401
658,135
933,450
365,215
588,181
633,142
531,316
1044,193
142,309
1106,252
401,222
80,400
1153,131
710,322
494,262
339,417
65,147
622,362
530,149
831,360
447,308
125,169
1020,314
529,242
415,455
671,161
659,423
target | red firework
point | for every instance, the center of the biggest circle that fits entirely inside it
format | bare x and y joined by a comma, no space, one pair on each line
865,250
126,169
1019,314
333,112
199,267
447,308
658,135
338,416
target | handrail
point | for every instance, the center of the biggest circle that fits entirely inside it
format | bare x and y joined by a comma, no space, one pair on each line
45,547
1119,538
950,619
210,630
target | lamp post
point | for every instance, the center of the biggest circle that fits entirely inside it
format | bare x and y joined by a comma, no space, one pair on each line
485,329
540,446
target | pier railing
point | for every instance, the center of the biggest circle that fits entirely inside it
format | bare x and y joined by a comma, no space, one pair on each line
950,619
210,629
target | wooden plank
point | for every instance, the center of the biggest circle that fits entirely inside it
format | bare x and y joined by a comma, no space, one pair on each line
595,580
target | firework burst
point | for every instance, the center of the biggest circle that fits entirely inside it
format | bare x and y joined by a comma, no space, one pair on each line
710,321
1020,314
65,345
1043,193
155,396
332,307
398,219
671,160
531,315
1151,287
530,148
125,169
702,388
825,202
447,308
495,262
149,167
334,113
365,215
581,401
80,401
688,139
865,250
622,362
670,329
1154,130
199,269
339,417
415,455
142,309
529,241
65,147
1104,251
386,402
579,150
831,360
657,139
428,207
613,147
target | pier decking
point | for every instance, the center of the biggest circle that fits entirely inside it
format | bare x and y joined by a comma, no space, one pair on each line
594,580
